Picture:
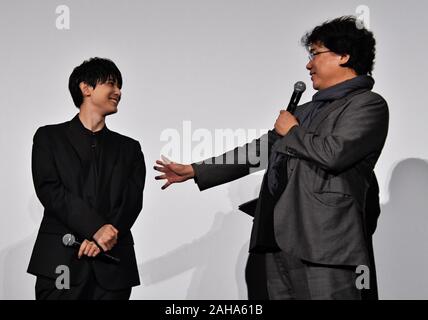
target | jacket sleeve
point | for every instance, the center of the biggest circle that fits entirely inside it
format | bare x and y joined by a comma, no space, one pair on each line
67,207
359,131
131,202
236,163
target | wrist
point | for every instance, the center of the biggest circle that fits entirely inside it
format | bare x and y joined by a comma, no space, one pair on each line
278,132
191,172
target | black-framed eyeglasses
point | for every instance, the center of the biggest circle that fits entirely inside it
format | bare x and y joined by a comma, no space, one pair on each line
312,55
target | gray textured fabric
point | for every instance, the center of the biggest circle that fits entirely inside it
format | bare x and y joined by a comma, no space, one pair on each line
276,176
320,216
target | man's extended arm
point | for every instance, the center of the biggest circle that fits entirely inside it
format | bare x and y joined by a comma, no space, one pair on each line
227,167
236,163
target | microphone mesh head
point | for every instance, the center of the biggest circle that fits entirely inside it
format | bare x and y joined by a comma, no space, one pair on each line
68,240
300,86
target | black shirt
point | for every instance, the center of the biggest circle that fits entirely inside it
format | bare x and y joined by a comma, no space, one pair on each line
93,144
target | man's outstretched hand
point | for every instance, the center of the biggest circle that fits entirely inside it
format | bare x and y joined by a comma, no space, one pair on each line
173,172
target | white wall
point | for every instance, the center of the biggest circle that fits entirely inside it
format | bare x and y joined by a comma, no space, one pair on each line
219,64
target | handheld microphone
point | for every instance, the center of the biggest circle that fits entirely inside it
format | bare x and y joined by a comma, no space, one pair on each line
69,240
299,88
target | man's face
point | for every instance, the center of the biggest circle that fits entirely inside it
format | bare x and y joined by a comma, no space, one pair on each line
324,68
105,97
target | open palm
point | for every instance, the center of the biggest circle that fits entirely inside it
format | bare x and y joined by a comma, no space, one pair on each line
173,172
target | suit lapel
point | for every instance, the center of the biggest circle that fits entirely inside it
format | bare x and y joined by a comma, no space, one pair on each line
325,111
108,157
74,136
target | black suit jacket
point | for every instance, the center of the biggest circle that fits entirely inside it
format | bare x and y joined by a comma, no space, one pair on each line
65,189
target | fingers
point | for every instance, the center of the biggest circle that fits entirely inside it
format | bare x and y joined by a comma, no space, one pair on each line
91,250
107,244
106,237
166,185
163,169
94,251
164,165
285,122
160,169
115,231
165,159
88,248
110,238
161,163
82,248
103,246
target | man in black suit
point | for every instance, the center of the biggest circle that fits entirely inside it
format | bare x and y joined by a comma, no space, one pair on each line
90,181
318,204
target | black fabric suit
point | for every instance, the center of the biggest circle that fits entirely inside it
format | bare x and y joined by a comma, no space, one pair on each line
79,202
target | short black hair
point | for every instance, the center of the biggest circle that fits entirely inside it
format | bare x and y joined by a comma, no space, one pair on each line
346,35
92,72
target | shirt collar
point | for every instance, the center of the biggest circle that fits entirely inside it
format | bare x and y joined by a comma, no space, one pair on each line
79,125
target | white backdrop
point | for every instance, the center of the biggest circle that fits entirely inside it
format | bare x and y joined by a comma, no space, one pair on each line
219,64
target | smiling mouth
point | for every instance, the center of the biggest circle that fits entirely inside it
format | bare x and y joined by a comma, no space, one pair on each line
115,100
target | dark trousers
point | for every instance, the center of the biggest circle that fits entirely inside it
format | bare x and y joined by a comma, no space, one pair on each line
88,289
255,277
290,278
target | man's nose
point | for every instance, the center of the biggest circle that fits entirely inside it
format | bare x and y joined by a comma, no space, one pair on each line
117,90
309,65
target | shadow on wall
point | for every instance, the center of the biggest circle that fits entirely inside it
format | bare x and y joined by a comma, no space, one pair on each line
218,258
401,239
15,282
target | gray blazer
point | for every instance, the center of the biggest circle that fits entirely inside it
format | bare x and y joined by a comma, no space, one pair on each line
321,215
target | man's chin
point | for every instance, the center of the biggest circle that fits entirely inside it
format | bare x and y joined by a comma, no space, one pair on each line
111,112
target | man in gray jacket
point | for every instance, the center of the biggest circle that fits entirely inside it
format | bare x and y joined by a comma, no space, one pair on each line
318,205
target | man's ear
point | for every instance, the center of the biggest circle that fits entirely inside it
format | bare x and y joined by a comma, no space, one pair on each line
85,88
344,58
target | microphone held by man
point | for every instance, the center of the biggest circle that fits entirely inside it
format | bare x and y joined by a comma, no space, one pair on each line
87,248
286,119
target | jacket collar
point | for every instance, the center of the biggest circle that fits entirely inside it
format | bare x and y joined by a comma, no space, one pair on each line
109,151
